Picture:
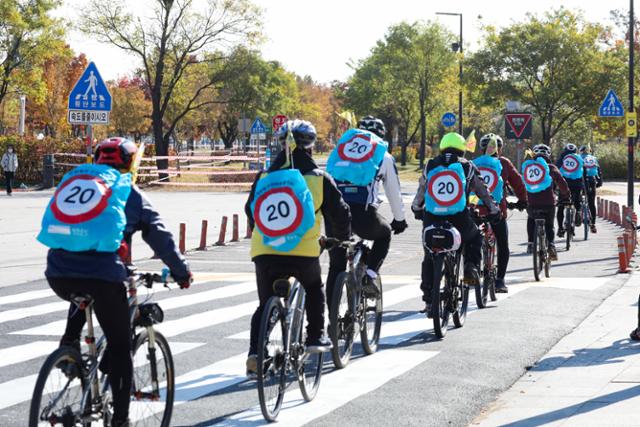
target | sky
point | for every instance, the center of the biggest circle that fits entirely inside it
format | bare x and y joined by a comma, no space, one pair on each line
321,37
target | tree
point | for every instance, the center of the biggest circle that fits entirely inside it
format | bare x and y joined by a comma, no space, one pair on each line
131,108
554,64
400,80
169,44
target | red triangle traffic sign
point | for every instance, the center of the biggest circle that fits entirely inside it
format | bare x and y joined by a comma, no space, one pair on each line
518,122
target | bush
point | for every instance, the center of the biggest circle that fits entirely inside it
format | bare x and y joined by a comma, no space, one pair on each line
412,153
613,160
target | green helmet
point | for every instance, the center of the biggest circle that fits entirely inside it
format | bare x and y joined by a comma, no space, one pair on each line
453,140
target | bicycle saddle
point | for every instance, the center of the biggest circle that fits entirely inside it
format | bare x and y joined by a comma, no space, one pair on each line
81,300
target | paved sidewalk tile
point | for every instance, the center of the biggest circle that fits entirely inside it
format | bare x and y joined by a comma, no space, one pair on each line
589,378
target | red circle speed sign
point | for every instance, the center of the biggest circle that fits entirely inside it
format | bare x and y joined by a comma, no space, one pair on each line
278,212
278,121
534,174
490,177
358,149
570,163
80,199
445,188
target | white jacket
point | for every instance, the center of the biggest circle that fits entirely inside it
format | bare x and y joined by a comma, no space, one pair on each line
388,174
9,162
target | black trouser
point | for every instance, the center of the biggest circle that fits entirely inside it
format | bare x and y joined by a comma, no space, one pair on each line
576,192
368,224
590,190
307,270
501,231
548,221
112,310
8,177
471,239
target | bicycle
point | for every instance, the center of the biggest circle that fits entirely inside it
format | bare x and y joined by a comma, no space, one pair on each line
487,289
569,223
351,310
79,392
586,215
281,350
449,298
541,258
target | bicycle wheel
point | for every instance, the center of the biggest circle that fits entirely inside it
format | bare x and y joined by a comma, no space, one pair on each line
309,367
372,320
57,395
586,221
536,252
439,311
271,359
568,227
153,388
546,257
482,289
461,292
342,321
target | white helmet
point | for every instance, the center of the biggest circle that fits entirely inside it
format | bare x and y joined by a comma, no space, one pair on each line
571,147
542,150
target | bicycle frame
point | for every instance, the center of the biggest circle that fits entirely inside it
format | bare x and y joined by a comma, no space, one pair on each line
294,307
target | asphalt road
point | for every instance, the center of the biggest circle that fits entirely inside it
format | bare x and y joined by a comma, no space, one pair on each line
414,379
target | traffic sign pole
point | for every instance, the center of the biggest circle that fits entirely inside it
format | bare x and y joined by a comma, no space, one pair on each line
89,144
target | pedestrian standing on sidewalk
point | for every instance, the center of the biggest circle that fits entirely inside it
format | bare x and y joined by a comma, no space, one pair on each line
9,165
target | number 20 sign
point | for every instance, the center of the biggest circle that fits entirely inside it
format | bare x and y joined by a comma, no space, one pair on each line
358,149
278,212
80,199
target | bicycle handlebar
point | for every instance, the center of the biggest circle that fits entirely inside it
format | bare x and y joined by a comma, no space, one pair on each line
149,278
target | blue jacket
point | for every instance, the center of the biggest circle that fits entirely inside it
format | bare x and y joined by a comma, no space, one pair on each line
107,266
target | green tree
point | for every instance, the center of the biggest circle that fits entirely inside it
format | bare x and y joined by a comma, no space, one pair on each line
555,65
401,80
169,41
131,108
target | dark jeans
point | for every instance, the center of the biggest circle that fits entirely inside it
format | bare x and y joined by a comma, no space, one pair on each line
307,271
370,225
548,220
8,177
471,239
501,230
590,190
112,311
577,202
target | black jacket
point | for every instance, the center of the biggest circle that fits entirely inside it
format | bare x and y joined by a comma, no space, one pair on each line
333,208
108,266
573,184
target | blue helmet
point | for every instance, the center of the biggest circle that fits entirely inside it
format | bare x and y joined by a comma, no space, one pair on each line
304,133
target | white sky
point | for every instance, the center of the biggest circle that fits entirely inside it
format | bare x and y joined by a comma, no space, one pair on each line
319,37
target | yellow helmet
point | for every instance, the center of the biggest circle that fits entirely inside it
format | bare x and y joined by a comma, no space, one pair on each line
453,140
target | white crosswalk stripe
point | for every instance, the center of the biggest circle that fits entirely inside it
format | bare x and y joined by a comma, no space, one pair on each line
233,300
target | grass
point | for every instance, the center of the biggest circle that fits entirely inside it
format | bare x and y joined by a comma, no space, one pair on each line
410,172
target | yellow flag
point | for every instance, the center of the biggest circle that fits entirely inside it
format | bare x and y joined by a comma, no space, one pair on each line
135,164
471,141
349,117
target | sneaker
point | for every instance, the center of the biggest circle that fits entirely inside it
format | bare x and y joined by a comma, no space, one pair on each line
501,288
252,366
529,248
553,254
319,345
369,287
561,232
635,335
471,276
594,230
427,310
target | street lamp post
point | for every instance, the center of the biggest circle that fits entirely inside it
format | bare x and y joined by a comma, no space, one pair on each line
458,46
631,141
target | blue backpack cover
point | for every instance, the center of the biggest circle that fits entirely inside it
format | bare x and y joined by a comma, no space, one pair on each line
591,165
536,175
357,157
283,209
491,173
446,190
572,166
87,210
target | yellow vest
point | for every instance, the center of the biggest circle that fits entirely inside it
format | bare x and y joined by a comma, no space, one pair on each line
308,246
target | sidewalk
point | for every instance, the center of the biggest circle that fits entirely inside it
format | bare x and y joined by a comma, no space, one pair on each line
589,378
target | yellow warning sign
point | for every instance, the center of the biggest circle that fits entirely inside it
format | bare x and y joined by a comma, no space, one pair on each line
632,125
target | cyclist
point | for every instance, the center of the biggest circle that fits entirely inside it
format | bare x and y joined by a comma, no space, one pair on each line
442,195
363,200
497,171
285,209
540,175
572,168
93,213
592,180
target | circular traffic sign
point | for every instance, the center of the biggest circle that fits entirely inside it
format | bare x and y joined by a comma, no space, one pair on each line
570,163
278,121
445,187
448,119
278,212
490,177
534,174
80,199
358,149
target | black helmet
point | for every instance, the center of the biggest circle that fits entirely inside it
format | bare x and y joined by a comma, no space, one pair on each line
486,139
373,124
304,133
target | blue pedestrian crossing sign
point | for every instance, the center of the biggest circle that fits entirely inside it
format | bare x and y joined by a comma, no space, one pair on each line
611,106
258,127
448,120
89,100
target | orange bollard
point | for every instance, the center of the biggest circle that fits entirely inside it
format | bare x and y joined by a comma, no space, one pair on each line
606,210
203,235
235,237
622,259
249,231
223,232
598,207
181,243
627,248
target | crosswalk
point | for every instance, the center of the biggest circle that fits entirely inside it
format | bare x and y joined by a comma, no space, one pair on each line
207,328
